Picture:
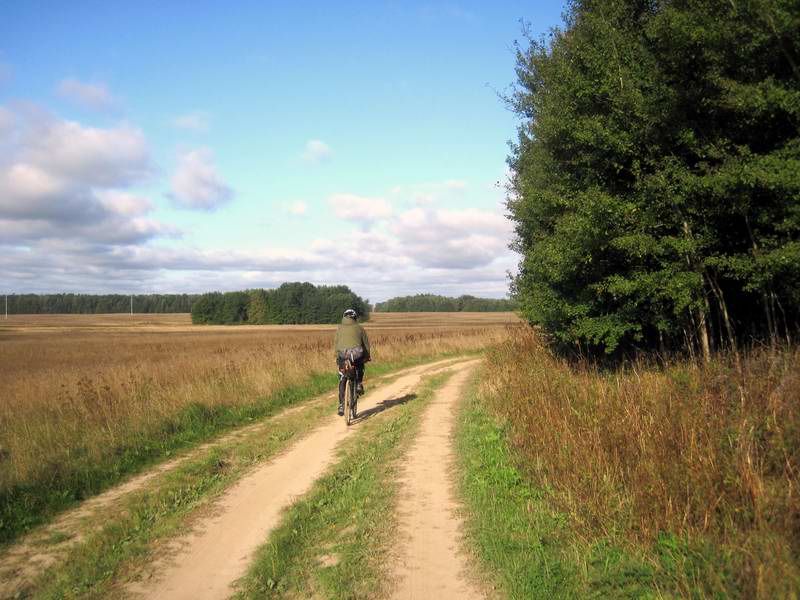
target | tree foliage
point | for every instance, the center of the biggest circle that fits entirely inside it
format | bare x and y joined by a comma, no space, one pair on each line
291,303
434,303
656,175
44,304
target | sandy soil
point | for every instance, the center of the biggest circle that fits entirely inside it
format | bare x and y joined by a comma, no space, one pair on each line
23,561
430,563
206,563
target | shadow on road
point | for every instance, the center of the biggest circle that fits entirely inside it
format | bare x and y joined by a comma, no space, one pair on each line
382,406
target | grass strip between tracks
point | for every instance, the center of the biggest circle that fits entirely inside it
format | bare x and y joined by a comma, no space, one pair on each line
125,539
525,548
332,543
25,507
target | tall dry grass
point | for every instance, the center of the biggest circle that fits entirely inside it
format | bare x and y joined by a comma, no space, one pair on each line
693,452
73,399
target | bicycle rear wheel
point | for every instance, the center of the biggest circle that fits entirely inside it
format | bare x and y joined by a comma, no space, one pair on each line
353,399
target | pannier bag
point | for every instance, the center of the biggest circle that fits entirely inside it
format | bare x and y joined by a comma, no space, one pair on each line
349,358
354,354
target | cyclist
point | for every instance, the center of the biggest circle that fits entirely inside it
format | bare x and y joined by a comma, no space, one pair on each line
350,336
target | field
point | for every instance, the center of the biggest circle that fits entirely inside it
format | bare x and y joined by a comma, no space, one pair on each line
656,479
86,343
86,398
692,469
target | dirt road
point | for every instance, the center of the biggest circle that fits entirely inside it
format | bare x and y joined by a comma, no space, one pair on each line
205,563
430,563
208,561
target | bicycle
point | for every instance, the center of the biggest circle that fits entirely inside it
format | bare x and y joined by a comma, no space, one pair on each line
349,373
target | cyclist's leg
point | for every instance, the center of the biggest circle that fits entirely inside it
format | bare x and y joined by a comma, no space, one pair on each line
360,368
342,384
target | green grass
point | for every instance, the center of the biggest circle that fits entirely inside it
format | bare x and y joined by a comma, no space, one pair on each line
332,542
25,507
126,538
525,548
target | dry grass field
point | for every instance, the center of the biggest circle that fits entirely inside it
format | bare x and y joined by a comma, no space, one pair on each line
695,466
80,391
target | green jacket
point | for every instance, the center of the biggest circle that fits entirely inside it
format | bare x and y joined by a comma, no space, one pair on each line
349,335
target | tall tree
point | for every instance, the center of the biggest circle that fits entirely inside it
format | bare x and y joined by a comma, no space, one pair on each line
656,186
434,303
99,303
291,303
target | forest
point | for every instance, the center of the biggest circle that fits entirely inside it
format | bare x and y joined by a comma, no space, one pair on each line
434,303
291,303
49,304
655,182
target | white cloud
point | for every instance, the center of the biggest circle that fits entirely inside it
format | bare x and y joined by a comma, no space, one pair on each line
63,185
316,152
72,219
54,169
196,184
197,120
424,250
386,265
95,96
360,208
104,157
124,203
25,183
433,251
452,239
298,208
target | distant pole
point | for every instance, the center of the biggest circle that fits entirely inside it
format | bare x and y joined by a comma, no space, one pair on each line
6,306
131,304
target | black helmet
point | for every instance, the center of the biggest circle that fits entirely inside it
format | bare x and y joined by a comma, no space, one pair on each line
351,313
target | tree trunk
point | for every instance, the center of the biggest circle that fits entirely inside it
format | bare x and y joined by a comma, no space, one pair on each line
769,310
702,334
699,316
785,322
723,308
689,342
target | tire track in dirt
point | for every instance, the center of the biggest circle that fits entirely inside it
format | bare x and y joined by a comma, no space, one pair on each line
206,563
23,561
429,561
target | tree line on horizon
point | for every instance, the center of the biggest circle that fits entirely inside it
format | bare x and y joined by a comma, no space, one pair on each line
50,304
655,181
435,303
290,304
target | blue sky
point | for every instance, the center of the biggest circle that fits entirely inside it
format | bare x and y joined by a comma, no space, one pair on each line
189,146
